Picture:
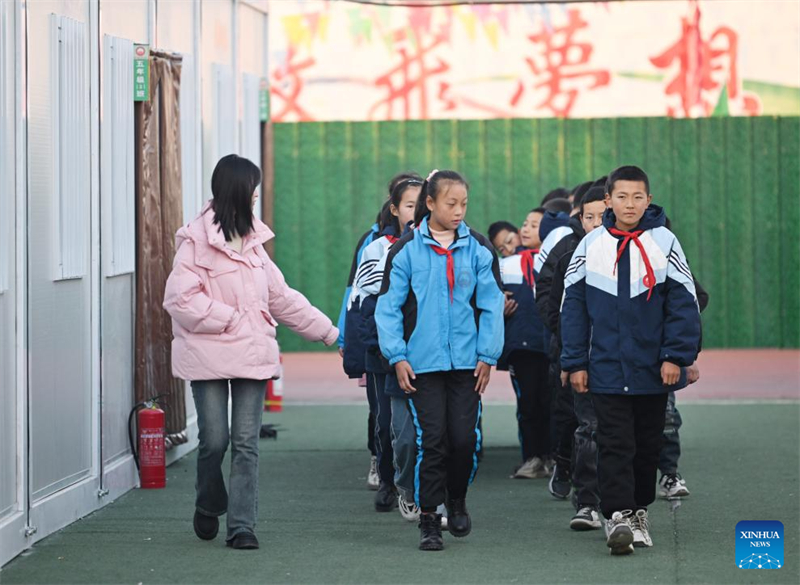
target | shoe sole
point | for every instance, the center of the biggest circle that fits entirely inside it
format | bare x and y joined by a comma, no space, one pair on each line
372,488
461,534
431,547
620,541
639,544
585,525
628,550
205,535
538,475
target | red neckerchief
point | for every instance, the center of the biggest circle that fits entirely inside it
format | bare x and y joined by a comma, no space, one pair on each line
451,268
527,266
650,277
392,239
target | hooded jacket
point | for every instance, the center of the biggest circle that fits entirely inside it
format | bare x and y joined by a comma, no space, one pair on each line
226,305
626,312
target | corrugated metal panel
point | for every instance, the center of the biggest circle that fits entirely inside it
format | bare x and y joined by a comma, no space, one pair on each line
70,110
117,171
725,182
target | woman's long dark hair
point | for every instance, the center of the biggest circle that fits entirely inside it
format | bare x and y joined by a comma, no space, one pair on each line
233,182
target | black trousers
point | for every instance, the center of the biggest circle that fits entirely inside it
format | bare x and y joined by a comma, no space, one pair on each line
630,432
446,412
584,466
563,422
530,378
382,427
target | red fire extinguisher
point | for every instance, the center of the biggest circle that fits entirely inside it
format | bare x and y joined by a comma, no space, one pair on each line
273,399
150,453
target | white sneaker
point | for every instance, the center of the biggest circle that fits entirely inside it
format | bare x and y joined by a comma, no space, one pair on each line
672,487
533,468
619,533
373,480
408,510
641,529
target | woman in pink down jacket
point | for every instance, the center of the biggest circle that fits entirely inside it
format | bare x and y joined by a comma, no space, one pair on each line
225,297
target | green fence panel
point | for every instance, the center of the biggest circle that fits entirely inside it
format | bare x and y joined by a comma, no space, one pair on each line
727,184
789,213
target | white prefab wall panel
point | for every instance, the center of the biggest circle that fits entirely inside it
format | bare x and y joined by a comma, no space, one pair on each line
6,148
62,407
225,111
9,501
117,158
251,120
190,142
70,111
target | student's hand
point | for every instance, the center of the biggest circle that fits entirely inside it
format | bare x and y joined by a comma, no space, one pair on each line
482,373
341,351
404,376
670,373
693,373
580,381
510,306
564,378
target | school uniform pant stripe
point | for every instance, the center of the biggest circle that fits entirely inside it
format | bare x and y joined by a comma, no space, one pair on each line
478,443
420,450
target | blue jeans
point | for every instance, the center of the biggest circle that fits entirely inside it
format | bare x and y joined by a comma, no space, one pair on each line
404,444
211,401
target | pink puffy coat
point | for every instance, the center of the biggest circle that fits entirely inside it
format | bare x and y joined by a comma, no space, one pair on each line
224,305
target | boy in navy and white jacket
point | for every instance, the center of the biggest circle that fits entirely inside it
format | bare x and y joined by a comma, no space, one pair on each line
630,327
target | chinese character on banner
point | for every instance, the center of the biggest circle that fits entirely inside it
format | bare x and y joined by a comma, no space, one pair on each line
705,69
287,87
409,82
560,67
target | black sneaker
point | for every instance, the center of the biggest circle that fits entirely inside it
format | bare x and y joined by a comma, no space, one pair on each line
386,498
205,527
561,482
587,518
459,524
430,532
243,541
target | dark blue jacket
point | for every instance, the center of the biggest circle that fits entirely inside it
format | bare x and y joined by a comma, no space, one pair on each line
363,242
350,315
416,319
608,325
524,329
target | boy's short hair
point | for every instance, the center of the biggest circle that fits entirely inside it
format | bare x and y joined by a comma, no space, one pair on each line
627,173
592,195
557,193
558,205
498,227
539,209
578,192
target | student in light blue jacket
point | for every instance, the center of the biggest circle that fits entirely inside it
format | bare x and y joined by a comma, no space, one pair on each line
440,325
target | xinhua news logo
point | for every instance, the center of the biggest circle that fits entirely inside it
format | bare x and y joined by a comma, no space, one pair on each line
759,544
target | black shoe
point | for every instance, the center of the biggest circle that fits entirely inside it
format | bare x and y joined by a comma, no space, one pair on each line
243,541
205,527
430,532
458,521
386,498
561,482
